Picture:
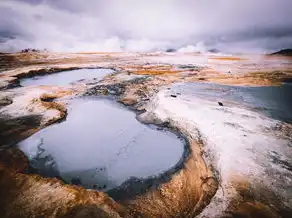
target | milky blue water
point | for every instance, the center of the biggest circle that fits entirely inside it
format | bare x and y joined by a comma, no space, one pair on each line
66,78
272,101
101,145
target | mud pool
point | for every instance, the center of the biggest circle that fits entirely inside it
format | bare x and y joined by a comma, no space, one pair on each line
272,101
101,145
66,78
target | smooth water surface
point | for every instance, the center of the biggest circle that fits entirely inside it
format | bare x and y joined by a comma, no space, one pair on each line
273,101
66,78
101,145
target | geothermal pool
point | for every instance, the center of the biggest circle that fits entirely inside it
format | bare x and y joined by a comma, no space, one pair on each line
66,78
101,145
272,101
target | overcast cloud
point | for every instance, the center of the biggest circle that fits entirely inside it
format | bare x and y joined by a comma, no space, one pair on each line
149,25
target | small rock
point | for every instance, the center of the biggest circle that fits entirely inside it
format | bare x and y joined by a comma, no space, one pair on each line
165,124
220,103
170,50
5,101
76,181
174,96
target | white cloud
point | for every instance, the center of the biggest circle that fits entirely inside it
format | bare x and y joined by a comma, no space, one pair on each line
132,25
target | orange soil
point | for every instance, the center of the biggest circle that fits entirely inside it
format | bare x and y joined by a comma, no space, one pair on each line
228,58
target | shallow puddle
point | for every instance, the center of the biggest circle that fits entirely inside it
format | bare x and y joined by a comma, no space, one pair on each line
66,78
101,145
273,101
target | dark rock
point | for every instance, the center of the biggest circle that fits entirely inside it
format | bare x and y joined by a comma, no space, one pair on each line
27,50
5,101
190,67
283,52
165,124
43,72
174,96
13,130
220,103
287,80
13,158
115,89
76,181
170,50
140,93
213,50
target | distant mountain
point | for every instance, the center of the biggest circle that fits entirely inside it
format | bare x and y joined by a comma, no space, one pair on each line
283,52
170,50
214,50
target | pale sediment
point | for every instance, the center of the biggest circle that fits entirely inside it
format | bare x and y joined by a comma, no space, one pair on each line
238,163
240,148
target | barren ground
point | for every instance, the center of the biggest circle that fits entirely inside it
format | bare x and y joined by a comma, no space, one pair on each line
239,163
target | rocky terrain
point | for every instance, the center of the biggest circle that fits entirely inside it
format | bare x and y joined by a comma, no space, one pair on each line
284,52
239,160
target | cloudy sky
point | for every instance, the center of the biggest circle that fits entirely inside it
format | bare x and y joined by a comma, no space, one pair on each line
148,25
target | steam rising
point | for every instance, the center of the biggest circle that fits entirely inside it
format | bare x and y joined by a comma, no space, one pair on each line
131,25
